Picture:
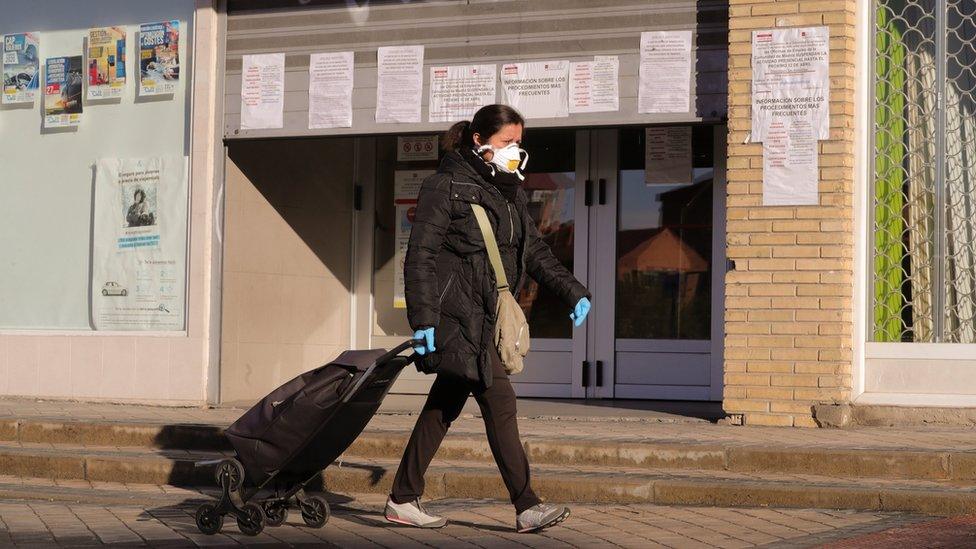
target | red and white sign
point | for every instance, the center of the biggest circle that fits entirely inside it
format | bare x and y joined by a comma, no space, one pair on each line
416,147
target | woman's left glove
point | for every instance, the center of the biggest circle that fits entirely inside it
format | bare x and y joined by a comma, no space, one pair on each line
580,311
426,336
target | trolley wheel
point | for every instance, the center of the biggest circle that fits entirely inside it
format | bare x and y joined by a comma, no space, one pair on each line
276,513
315,511
209,521
234,472
253,524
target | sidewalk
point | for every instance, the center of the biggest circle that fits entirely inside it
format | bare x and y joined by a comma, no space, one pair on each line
473,524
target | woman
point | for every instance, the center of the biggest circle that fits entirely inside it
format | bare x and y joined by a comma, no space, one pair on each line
451,297
139,214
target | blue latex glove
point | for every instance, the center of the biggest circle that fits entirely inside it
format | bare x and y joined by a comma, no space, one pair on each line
427,334
580,311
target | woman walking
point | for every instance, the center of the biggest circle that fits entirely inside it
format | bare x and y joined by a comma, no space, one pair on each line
451,298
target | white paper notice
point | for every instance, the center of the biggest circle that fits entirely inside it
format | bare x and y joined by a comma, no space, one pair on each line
537,89
790,164
667,159
593,85
263,91
139,250
406,184
665,72
791,78
330,90
456,93
399,83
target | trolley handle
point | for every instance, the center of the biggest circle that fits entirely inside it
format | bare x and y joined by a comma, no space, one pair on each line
383,360
408,344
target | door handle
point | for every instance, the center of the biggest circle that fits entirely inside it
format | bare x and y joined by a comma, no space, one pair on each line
603,191
599,373
588,193
586,373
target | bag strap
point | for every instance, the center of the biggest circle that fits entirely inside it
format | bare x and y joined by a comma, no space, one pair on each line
489,235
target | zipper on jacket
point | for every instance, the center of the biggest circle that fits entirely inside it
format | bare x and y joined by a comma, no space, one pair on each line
450,280
468,184
511,222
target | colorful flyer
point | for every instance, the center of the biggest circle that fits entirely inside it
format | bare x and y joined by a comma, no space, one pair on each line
21,67
106,62
159,58
62,91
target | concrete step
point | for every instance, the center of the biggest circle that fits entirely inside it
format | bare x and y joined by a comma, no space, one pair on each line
478,479
661,453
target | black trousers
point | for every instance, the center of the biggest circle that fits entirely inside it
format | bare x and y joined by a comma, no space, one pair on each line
444,404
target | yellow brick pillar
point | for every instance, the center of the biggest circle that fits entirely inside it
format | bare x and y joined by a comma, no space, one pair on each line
788,318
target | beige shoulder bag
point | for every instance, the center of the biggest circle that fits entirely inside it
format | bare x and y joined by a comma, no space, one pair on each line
511,328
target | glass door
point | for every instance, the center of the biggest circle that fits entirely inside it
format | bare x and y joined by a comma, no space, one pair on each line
657,271
555,175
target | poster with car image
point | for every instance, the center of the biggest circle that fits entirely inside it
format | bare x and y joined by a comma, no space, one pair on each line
159,58
21,67
139,250
106,62
62,92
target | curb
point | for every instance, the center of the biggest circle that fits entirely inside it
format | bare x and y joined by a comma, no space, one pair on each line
845,463
481,480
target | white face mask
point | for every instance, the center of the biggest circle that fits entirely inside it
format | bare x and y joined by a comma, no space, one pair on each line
509,158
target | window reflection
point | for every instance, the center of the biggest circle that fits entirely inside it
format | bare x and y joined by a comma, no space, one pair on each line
551,199
664,251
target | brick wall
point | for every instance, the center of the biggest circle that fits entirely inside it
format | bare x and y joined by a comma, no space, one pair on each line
788,318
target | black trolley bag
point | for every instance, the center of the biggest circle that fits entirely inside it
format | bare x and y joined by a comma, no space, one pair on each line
288,438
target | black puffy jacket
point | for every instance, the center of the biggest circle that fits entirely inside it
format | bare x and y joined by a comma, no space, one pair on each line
448,278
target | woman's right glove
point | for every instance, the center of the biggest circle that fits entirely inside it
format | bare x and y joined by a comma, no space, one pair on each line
427,335
580,311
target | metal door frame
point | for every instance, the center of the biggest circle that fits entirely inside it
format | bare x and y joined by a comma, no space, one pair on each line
574,348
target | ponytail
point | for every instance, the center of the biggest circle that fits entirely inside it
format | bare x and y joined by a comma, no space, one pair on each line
486,122
457,136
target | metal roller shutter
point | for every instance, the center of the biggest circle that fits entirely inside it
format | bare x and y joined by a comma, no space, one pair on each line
460,32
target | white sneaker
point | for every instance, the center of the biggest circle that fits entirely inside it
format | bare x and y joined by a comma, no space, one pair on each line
540,516
412,514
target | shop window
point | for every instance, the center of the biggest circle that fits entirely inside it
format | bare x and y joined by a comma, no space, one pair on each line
924,192
94,176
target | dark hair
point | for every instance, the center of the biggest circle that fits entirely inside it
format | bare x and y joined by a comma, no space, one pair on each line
137,193
486,122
